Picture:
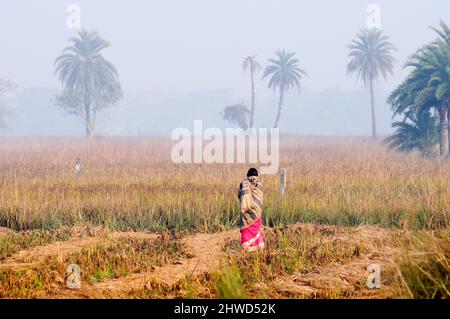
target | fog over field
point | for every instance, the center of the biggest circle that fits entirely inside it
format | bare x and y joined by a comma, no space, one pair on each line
181,60
232,149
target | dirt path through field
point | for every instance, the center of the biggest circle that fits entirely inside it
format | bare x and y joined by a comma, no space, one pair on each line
207,255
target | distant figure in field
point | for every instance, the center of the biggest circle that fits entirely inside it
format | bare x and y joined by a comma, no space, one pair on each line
251,199
78,167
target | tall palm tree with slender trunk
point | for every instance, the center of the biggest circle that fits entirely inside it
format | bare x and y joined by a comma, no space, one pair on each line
88,79
371,57
253,66
284,74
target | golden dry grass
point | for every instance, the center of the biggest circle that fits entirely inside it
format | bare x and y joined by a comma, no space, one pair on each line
133,184
340,186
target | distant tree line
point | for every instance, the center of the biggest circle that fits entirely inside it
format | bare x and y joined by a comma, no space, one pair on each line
370,57
422,100
283,74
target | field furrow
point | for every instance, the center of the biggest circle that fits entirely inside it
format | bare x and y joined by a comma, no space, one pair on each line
205,256
60,250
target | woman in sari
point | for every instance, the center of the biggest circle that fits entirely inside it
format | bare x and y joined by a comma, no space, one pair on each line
251,199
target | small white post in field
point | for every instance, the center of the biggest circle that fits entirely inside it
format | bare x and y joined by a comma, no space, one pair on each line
78,167
282,182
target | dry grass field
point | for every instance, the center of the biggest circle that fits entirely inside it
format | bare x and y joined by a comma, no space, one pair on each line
140,226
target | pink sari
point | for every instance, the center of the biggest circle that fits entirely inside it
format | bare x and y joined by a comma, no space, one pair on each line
252,237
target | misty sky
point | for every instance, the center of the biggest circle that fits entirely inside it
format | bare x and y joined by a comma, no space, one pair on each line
199,44
171,49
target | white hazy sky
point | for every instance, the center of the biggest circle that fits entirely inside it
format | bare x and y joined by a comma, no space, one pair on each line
198,45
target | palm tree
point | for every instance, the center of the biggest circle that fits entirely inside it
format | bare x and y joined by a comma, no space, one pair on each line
443,42
431,65
284,74
87,76
253,65
444,34
427,87
371,56
415,132
413,97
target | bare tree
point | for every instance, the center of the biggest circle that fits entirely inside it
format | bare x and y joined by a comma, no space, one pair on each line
238,114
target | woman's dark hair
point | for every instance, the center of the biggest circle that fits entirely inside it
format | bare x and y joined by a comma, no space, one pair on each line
252,172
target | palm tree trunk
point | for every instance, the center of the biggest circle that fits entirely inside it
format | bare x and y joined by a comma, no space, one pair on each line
448,128
372,107
280,106
88,115
443,132
89,131
253,96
